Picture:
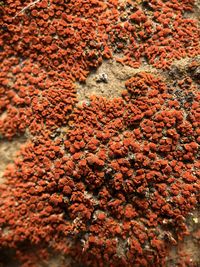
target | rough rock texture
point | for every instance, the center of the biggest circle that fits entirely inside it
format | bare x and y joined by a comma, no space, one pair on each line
104,96
8,151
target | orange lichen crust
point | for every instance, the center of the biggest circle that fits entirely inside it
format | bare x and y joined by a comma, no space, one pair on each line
47,44
116,186
108,182
33,99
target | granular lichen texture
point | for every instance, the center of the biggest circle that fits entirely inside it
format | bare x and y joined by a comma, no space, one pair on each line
105,182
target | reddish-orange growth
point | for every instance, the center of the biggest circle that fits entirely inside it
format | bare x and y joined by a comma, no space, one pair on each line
124,170
103,182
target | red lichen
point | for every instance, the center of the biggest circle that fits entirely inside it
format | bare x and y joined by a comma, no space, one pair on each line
114,178
107,181
44,44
